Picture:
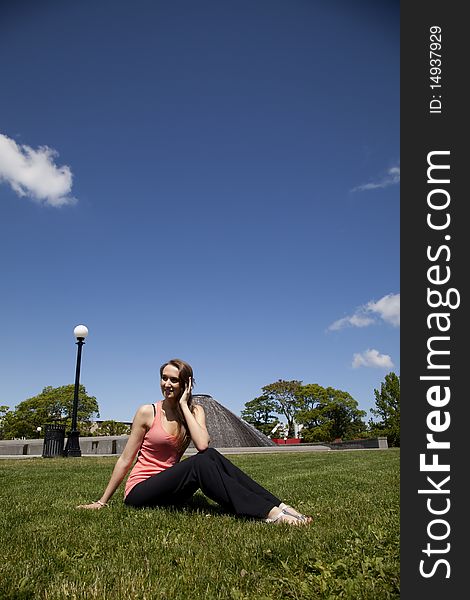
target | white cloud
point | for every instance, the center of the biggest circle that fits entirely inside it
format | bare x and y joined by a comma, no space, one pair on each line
33,173
355,320
372,358
387,309
391,178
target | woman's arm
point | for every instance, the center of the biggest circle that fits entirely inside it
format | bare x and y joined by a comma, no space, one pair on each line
140,426
195,421
197,426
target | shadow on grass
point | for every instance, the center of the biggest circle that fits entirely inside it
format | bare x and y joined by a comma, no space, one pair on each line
198,504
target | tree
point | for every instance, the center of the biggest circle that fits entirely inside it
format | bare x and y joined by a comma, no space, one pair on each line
283,395
4,410
51,405
325,413
387,402
112,428
258,412
328,414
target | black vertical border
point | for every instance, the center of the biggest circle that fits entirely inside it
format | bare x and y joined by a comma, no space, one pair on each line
423,132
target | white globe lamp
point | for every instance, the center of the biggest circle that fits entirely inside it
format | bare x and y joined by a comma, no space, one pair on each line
80,331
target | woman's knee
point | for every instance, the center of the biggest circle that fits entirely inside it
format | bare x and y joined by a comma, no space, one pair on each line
205,455
210,451
207,452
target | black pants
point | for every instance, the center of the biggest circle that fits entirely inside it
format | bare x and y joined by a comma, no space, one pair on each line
217,477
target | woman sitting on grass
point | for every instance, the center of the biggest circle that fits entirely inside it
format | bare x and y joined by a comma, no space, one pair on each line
159,436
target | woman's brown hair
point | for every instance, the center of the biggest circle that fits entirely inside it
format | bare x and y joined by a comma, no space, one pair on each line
185,372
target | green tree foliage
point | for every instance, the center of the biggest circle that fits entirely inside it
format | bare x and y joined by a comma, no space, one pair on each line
259,413
112,428
325,413
284,396
4,411
51,405
387,409
328,414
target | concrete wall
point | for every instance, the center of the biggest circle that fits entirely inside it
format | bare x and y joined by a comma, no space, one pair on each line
88,446
114,445
380,442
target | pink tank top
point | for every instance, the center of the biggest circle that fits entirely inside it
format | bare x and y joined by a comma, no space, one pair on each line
159,451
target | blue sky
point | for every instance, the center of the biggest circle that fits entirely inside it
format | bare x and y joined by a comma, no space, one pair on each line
214,180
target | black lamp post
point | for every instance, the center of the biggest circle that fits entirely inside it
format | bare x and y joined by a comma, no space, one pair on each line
72,447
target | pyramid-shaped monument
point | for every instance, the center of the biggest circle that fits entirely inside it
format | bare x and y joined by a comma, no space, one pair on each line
226,430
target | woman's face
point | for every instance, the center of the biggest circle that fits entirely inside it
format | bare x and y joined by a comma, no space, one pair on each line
170,383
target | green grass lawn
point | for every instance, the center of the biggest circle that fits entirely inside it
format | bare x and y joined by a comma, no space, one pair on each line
49,550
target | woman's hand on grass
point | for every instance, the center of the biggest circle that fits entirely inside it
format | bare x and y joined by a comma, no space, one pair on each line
93,506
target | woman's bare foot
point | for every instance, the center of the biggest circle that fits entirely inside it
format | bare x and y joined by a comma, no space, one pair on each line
282,515
292,510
